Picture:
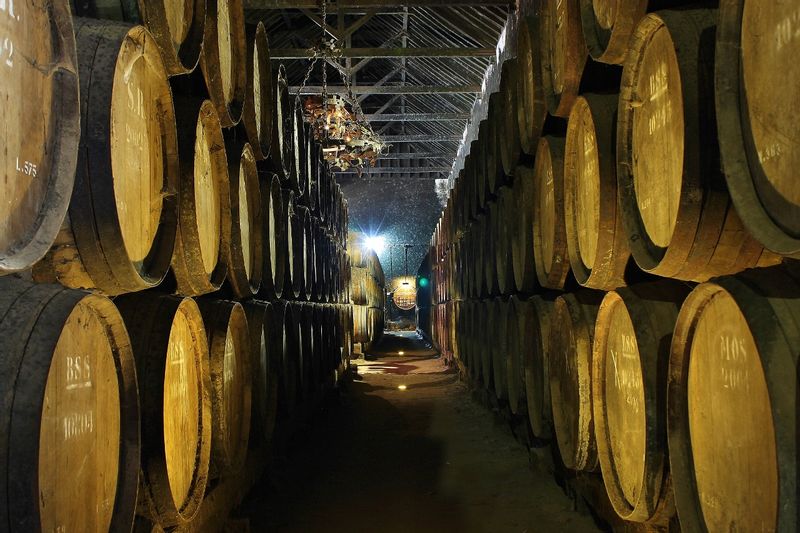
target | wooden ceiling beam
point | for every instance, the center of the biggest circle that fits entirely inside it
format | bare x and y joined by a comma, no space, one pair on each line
385,53
346,4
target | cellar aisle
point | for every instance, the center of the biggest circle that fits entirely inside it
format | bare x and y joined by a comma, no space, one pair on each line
427,458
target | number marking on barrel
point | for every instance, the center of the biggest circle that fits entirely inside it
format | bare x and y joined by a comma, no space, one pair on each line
659,88
733,363
78,424
627,377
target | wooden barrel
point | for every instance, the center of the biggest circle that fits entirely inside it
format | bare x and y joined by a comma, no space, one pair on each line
231,388
123,210
288,244
756,49
178,28
491,245
224,52
486,311
245,250
531,107
257,109
675,206
491,153
596,241
308,252
273,233
171,350
298,221
280,152
39,156
69,412
534,325
287,338
503,235
296,142
631,350
508,143
310,365
496,345
563,54
549,228
199,260
732,404
264,361
522,254
608,26
517,342
484,194
570,373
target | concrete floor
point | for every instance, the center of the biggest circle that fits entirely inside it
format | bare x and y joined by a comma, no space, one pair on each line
427,458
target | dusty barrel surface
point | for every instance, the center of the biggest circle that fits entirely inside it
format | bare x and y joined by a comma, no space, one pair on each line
172,367
264,360
223,58
631,350
199,260
39,156
596,240
245,251
608,26
732,404
123,211
273,234
572,330
69,414
535,320
257,112
178,28
549,229
756,52
231,388
563,54
675,206
531,104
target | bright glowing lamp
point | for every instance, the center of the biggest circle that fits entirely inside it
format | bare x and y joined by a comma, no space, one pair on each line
377,243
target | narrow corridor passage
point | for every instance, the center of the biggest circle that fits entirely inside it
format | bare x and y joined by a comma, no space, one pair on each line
427,458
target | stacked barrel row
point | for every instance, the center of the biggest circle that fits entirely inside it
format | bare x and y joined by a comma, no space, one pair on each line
609,161
367,290
158,160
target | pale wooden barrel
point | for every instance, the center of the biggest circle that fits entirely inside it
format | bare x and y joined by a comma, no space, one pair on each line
596,241
522,254
224,53
245,250
123,211
570,374
732,404
676,209
69,412
549,228
563,54
273,233
608,26
231,387
280,152
199,260
631,347
39,156
532,107
535,322
171,350
257,110
264,360
756,53
178,28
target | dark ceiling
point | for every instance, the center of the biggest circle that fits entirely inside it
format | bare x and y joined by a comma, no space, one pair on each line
417,69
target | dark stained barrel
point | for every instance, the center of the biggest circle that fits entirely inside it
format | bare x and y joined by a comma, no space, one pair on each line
280,151
69,412
264,361
535,320
274,233
522,246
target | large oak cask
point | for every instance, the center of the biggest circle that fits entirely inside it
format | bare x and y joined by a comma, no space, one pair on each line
273,233
522,206
531,107
288,244
171,350
572,331
631,352
39,156
257,112
508,142
245,251
675,205
596,240
732,404
549,226
287,342
231,388
505,225
178,28
516,343
496,345
487,313
264,361
608,26
280,152
199,260
123,211
756,52
563,54
223,58
69,412
534,325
